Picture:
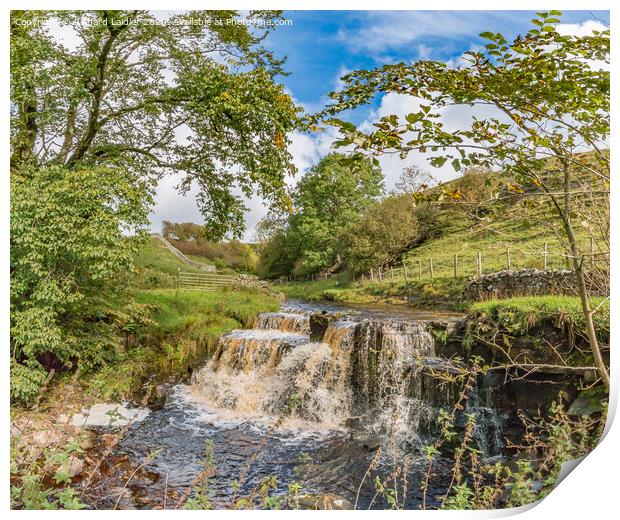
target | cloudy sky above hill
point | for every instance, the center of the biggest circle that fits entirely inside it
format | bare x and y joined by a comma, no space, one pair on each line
321,46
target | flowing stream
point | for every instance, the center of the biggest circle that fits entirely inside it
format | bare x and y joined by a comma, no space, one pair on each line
313,394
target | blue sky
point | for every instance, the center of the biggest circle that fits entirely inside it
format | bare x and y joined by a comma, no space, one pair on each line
320,46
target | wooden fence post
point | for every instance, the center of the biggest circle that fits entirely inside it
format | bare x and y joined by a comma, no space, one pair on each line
380,275
406,276
392,273
479,264
430,266
419,271
508,258
456,265
372,276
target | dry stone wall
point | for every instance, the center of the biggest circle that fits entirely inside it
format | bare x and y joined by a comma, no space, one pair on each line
525,282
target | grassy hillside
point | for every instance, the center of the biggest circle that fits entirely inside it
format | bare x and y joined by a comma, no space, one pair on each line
227,256
519,229
517,225
519,222
156,266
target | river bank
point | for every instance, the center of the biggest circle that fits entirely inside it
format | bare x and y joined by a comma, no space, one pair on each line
172,333
280,398
440,293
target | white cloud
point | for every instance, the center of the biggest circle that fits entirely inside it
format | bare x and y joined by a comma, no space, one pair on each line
463,60
343,70
453,118
171,205
580,29
392,165
585,29
384,30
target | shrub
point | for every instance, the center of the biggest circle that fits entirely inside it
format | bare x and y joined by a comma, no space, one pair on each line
381,233
233,254
70,261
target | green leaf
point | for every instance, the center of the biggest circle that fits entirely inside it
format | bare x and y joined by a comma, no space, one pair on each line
438,162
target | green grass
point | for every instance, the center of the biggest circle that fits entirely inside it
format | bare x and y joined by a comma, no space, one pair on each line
196,310
308,290
539,323
200,259
183,330
532,310
156,266
514,229
522,225
443,292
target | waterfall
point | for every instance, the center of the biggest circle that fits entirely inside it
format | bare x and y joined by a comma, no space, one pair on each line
284,321
238,375
265,372
382,370
388,360
489,420
313,380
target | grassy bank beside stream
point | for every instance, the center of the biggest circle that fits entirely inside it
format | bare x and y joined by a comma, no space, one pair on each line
439,293
175,330
180,329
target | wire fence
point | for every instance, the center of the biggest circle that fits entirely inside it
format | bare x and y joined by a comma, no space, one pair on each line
474,264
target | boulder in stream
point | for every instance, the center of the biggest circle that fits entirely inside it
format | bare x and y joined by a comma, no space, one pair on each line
108,414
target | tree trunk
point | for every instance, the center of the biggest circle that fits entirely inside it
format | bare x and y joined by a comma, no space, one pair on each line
26,135
581,282
69,132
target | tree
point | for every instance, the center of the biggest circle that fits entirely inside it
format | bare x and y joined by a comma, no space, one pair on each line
193,95
326,200
330,196
472,193
277,256
414,179
71,258
182,231
270,225
550,93
379,234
